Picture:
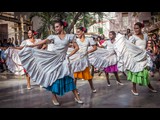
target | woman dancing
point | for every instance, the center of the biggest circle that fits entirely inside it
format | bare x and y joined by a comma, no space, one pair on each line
51,69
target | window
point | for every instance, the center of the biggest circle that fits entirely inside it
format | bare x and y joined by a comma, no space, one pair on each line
100,30
124,19
3,31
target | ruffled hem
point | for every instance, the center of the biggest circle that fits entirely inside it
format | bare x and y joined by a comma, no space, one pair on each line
62,86
141,78
111,69
86,75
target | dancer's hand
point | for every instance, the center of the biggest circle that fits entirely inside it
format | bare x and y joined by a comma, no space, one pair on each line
86,53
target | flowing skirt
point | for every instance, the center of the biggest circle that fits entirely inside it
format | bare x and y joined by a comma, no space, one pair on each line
62,86
86,75
13,62
111,69
130,57
141,78
102,58
45,67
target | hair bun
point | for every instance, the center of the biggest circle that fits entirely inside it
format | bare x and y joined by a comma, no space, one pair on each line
84,29
65,24
35,33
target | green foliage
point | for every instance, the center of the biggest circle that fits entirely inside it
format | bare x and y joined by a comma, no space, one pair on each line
85,19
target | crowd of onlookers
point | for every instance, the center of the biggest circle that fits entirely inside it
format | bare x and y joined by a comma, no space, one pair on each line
4,44
153,48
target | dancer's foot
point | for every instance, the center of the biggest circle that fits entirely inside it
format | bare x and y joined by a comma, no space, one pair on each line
134,93
78,101
119,83
56,103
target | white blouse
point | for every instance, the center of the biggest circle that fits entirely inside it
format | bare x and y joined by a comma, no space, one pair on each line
108,45
28,42
141,43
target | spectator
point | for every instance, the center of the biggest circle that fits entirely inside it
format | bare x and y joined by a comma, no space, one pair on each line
1,61
10,43
128,34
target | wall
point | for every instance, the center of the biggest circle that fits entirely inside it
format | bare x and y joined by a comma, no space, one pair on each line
11,30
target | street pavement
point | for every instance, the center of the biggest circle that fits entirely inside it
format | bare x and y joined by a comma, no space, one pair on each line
13,94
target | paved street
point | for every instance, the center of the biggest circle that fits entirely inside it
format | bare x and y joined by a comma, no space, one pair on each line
13,94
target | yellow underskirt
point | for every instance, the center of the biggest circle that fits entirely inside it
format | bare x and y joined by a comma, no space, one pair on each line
86,75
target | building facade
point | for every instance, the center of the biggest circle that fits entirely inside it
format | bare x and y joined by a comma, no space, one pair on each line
120,22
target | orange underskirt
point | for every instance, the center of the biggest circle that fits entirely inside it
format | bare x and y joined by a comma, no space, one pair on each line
86,75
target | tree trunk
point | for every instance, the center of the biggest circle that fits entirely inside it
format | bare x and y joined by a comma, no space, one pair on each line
74,22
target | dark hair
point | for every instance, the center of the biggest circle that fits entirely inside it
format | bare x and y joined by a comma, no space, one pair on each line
99,37
34,32
82,29
61,22
113,33
128,30
154,34
139,24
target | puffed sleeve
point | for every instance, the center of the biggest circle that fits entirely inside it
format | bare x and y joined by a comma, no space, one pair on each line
23,43
92,42
51,39
72,38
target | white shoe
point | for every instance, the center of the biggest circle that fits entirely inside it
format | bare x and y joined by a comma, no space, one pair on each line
119,83
78,101
28,88
56,103
136,94
109,85
41,86
94,91
152,90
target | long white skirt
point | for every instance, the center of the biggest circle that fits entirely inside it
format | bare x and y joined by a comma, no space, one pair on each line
130,57
45,67
13,62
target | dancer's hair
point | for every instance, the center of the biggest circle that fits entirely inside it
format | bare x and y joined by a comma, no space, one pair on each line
62,23
113,33
139,24
83,29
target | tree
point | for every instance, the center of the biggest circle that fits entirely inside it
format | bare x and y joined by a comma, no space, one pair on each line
48,18
84,17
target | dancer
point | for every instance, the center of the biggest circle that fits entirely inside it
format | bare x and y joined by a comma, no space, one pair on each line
51,69
13,61
132,56
79,62
109,45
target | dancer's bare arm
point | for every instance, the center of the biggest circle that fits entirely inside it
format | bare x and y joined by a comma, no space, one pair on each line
39,43
76,48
